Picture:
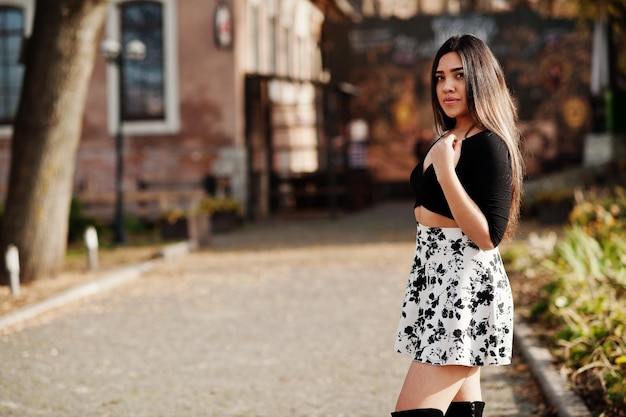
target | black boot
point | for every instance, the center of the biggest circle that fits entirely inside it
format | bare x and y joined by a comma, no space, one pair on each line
422,412
466,409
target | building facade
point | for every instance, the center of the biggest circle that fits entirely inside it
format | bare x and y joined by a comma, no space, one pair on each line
182,107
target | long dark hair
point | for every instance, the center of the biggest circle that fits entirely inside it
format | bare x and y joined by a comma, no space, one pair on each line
489,104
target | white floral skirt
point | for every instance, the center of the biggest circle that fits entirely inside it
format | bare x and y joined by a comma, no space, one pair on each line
458,307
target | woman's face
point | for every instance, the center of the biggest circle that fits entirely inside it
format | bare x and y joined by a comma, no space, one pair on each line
450,86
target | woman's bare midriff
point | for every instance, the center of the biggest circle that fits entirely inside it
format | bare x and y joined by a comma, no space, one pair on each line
431,219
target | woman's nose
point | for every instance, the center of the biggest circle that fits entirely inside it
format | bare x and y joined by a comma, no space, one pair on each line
448,85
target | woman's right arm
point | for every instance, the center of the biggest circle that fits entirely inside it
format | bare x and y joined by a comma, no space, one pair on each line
465,211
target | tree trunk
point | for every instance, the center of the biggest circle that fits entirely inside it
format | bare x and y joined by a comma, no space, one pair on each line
47,129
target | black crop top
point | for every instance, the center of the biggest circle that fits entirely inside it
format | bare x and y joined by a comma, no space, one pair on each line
484,170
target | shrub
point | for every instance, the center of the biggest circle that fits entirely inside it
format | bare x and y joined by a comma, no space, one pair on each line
600,211
586,299
78,222
207,206
211,205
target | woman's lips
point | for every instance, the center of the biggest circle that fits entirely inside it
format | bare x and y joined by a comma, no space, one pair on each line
450,100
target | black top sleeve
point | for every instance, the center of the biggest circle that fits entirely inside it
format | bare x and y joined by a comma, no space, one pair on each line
487,177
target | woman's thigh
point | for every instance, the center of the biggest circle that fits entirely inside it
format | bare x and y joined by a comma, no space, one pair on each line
470,390
432,386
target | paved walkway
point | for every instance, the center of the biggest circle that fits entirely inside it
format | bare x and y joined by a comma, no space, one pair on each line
285,318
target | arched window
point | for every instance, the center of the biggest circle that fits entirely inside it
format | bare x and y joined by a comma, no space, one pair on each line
143,80
11,70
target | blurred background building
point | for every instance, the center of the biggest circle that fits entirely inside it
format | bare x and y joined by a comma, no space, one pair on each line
288,105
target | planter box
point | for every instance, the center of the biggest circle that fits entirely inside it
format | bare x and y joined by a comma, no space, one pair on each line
555,212
222,222
178,230
195,228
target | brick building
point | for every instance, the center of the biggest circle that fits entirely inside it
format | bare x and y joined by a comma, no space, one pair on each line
183,106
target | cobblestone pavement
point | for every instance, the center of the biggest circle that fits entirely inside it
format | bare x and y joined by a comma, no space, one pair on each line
292,317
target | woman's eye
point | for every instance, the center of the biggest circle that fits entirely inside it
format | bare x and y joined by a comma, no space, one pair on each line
460,75
438,77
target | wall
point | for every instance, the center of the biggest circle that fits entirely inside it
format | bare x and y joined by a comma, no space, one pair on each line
163,169
169,164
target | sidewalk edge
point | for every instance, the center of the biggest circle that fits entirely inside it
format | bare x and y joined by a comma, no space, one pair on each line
553,385
109,280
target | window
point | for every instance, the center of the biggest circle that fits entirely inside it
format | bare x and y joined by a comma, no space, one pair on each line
272,43
254,44
142,80
16,18
149,88
11,71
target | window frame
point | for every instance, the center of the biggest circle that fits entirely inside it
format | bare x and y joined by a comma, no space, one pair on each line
28,10
135,106
171,123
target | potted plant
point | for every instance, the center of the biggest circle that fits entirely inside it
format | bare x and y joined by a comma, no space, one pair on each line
554,206
174,224
225,213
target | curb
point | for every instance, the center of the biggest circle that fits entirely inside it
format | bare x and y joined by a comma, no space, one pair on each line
553,385
109,280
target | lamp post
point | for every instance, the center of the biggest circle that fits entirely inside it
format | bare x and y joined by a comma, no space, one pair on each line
112,50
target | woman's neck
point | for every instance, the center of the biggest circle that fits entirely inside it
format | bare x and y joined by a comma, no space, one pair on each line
464,130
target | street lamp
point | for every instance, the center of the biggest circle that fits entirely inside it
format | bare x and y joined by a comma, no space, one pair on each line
112,50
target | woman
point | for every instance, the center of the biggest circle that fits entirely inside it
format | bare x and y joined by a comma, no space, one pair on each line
458,310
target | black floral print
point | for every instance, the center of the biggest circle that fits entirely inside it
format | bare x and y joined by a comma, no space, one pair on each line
458,307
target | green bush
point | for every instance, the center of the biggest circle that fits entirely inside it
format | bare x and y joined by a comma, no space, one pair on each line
210,205
587,300
600,210
78,222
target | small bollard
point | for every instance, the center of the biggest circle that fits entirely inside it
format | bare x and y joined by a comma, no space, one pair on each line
12,261
91,241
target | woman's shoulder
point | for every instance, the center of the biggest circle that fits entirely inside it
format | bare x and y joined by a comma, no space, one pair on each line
486,141
484,136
